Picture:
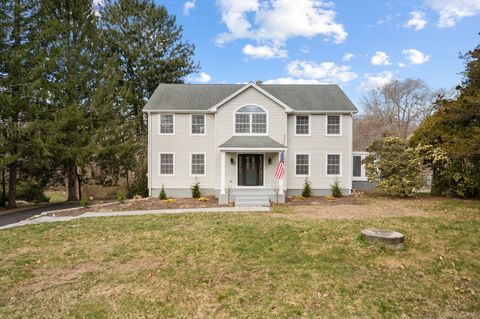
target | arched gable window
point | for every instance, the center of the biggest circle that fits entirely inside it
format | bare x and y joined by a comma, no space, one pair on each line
251,119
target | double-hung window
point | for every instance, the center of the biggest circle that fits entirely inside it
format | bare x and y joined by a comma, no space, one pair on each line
251,119
333,164
302,125
198,124
197,161
302,164
334,125
166,163
166,124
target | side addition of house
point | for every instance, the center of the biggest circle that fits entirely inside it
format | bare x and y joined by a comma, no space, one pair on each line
231,137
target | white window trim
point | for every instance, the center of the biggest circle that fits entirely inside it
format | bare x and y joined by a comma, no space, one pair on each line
309,165
363,171
326,125
159,164
309,125
250,134
204,125
160,124
204,164
340,165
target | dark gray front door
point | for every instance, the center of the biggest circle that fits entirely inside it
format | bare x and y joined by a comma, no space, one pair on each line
250,170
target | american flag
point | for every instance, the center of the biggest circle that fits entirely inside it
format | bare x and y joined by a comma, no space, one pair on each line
280,167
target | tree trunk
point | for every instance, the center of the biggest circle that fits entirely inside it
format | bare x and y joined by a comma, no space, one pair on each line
79,180
3,186
12,194
72,176
128,183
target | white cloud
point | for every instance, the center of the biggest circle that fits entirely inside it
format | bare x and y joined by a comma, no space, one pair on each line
305,49
380,58
401,64
452,11
264,52
326,72
202,78
290,80
278,20
188,6
415,57
374,81
348,56
417,20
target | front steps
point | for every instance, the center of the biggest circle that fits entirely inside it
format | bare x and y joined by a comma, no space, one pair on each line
252,200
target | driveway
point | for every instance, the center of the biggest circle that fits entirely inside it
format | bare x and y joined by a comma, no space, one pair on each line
7,219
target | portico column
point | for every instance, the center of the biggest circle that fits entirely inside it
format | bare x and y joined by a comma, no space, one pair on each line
222,172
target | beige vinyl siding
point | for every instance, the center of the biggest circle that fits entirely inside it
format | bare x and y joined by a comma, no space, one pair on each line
224,123
182,144
318,145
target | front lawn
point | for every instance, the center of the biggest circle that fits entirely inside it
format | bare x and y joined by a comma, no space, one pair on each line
283,264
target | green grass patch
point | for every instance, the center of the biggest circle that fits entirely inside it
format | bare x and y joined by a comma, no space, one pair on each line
244,265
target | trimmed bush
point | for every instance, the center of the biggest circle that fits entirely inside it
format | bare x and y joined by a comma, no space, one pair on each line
84,201
163,194
307,189
336,191
121,197
196,190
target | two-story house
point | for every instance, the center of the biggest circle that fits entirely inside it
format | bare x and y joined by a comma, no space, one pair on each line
229,137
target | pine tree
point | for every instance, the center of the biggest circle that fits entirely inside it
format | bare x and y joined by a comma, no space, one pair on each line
18,21
69,45
142,47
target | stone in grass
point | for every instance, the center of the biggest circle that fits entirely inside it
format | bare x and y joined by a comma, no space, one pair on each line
390,238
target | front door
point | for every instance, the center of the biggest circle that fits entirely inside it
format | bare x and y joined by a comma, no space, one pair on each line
250,170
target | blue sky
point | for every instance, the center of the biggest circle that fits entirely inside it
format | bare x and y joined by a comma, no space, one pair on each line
357,44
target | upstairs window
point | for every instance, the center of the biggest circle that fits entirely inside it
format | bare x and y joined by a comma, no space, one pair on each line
302,125
251,119
198,124
166,124
333,125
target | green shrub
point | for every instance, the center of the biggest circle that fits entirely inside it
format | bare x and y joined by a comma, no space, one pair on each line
307,189
163,194
196,189
394,166
121,197
84,202
336,191
31,192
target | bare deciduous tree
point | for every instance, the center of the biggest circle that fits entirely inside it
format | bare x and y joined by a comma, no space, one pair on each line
400,106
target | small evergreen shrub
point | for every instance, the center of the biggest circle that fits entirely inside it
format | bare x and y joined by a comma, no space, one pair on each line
307,189
84,201
121,197
336,191
196,189
163,194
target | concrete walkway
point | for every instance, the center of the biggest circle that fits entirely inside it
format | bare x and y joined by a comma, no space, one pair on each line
50,219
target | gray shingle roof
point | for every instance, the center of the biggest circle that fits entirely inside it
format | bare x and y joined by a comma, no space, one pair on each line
201,97
251,142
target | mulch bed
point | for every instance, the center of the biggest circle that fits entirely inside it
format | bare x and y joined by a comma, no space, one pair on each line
143,204
320,200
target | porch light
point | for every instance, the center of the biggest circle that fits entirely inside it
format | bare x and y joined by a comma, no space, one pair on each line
231,161
269,161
